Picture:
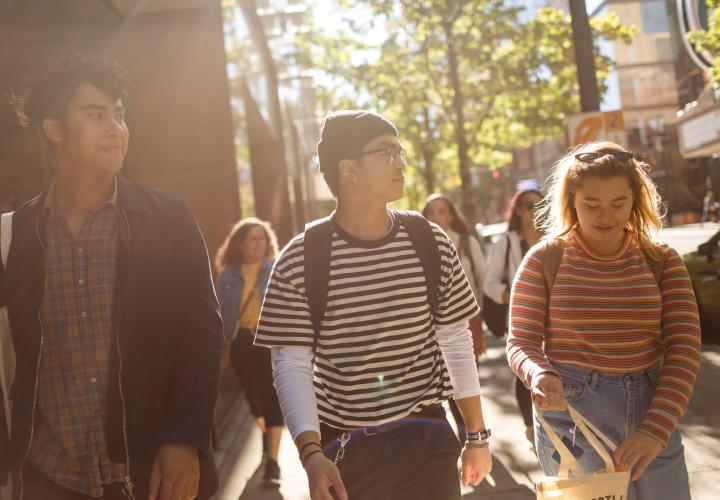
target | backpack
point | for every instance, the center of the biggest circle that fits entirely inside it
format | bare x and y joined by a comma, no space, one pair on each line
554,252
318,242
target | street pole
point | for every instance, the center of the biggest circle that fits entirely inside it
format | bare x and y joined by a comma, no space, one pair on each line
584,57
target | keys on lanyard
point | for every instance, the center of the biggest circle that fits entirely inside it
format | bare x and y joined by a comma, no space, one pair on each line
344,440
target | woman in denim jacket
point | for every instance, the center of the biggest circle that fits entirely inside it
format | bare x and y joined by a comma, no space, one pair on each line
244,262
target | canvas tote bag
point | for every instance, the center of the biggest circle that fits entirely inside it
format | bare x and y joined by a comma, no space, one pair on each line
608,484
7,351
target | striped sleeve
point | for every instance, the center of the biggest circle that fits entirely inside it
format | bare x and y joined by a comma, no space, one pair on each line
681,337
456,301
526,331
285,314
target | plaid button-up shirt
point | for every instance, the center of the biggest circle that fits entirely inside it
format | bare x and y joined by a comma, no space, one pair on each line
69,443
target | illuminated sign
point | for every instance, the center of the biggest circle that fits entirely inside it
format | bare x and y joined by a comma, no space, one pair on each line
597,126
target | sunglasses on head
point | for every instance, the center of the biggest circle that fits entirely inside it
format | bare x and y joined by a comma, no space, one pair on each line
621,156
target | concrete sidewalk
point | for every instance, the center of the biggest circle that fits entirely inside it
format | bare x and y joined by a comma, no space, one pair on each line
514,464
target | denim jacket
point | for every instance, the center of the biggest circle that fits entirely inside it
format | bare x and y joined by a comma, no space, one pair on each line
229,288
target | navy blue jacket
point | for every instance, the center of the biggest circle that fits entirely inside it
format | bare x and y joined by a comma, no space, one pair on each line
167,335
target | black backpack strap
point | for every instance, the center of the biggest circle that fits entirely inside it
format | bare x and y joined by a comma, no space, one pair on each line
423,239
317,245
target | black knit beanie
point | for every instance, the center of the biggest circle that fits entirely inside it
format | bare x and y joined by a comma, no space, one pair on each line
346,133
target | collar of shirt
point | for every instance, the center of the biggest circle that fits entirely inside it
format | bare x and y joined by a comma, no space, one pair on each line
51,208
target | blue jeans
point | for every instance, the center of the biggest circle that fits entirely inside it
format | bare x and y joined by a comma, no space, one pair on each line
616,405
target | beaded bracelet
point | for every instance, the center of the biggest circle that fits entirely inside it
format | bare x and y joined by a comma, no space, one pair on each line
484,444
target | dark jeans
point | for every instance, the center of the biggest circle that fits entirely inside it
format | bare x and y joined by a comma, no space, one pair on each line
253,368
38,487
413,461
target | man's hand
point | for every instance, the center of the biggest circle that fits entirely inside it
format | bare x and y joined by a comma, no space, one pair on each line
547,392
322,474
476,464
175,473
637,451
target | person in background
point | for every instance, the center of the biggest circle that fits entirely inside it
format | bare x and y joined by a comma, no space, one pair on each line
615,332
522,233
442,211
244,262
710,207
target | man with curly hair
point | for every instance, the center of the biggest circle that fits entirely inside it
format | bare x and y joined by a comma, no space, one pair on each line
115,323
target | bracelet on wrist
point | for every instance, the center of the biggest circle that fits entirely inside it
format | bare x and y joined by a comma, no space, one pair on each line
304,460
308,444
306,451
481,435
483,444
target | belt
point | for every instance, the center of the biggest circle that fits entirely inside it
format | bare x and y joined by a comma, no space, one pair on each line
329,434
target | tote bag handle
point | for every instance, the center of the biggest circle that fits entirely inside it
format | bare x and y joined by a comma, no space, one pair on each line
594,436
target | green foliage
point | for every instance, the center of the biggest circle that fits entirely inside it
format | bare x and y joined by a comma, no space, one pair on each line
517,79
710,40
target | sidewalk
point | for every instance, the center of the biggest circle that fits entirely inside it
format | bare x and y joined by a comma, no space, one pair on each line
514,465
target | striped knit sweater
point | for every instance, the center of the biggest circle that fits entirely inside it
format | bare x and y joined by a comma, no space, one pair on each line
608,314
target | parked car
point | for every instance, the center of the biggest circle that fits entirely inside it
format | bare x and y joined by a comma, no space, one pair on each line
703,265
489,234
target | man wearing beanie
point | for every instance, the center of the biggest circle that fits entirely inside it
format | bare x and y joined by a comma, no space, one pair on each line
367,315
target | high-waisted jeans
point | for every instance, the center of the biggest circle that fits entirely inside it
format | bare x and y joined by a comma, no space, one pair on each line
616,405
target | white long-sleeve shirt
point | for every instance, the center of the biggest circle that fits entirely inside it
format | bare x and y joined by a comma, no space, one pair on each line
476,273
495,268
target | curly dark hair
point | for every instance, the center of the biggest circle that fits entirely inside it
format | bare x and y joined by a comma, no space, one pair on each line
230,252
48,94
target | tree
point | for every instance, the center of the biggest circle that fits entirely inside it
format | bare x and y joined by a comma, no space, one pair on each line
709,39
464,80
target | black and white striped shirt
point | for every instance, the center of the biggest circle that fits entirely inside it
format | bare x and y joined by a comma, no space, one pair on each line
377,355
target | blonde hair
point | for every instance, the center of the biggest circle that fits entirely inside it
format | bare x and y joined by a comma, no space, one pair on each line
556,214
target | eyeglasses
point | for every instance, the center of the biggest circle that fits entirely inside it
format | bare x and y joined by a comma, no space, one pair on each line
621,156
390,152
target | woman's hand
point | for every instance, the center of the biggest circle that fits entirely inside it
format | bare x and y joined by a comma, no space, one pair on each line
547,392
638,451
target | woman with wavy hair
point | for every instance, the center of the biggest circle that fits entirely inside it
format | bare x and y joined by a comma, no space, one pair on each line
442,211
604,318
244,262
505,257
